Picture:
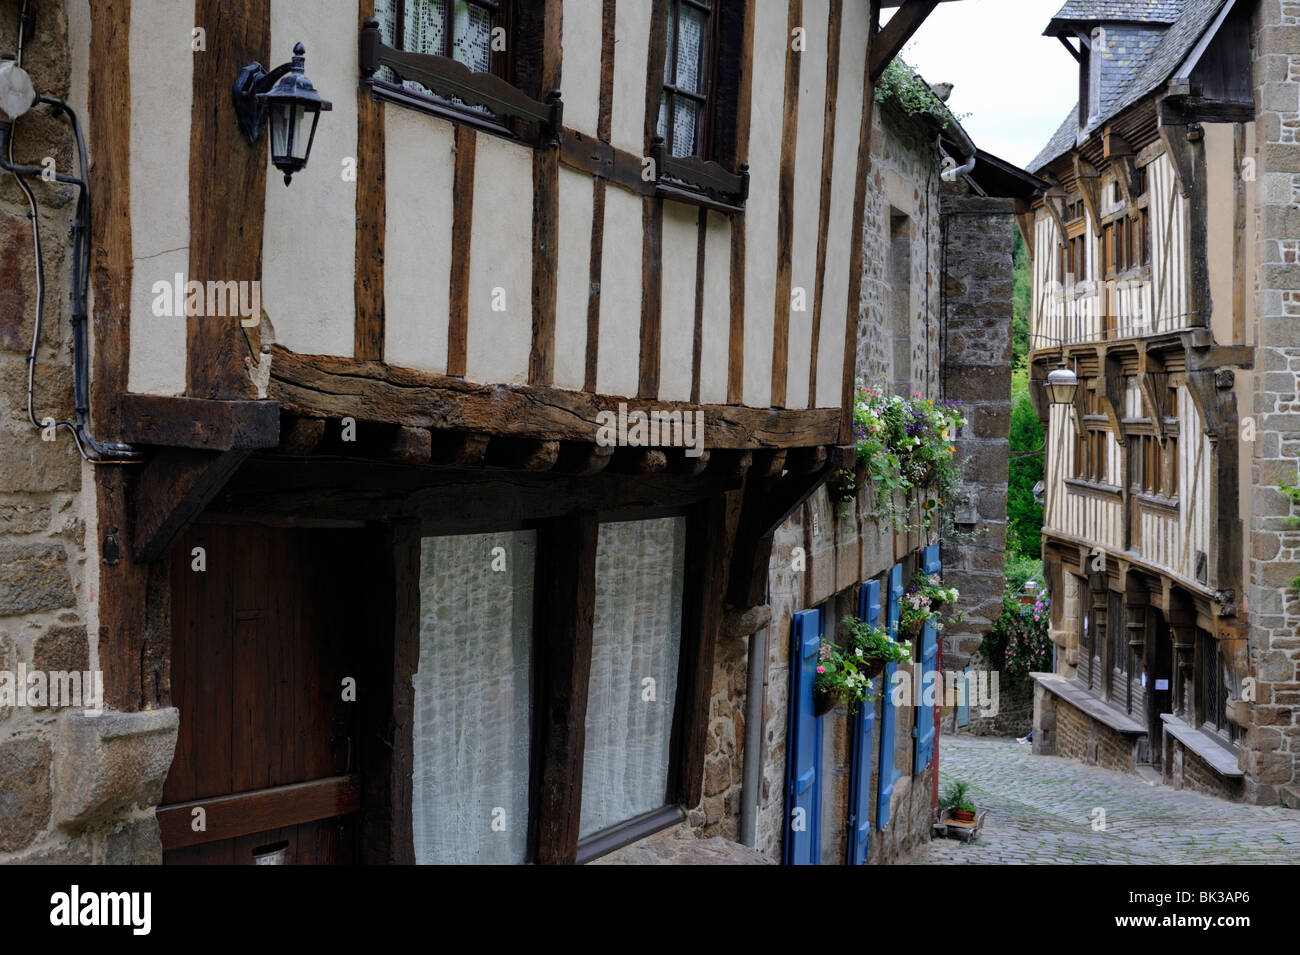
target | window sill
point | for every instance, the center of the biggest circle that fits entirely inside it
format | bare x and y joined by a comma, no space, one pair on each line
699,182
387,92
1218,753
1156,502
626,833
1108,492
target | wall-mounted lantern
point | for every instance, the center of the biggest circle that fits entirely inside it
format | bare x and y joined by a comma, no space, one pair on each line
1061,386
287,96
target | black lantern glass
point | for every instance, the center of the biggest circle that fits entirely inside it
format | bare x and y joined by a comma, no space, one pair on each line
295,109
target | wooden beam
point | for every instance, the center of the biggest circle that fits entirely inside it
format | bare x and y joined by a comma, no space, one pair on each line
522,454
462,221
209,424
173,490
893,36
411,446
701,621
406,660
567,604
639,461
247,813
856,241
458,448
301,435
227,192
785,210
736,324
828,171
546,214
652,260
579,458
331,387
368,335
1089,180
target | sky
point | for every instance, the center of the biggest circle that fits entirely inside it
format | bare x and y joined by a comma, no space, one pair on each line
1016,83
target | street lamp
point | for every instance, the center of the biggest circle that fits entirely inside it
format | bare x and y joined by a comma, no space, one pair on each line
1061,386
1062,383
293,105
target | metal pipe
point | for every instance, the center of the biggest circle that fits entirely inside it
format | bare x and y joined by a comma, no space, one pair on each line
755,696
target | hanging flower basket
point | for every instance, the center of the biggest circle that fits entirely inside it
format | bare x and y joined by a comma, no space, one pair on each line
914,628
875,666
823,702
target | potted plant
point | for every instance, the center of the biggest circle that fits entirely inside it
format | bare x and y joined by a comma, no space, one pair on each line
956,801
845,674
915,611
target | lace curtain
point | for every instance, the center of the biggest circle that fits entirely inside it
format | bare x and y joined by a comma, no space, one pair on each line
424,30
684,68
473,699
638,615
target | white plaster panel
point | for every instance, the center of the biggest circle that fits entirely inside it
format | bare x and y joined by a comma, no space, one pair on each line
619,346
309,237
848,124
631,47
162,79
580,76
677,319
419,164
714,351
807,198
761,207
573,285
500,264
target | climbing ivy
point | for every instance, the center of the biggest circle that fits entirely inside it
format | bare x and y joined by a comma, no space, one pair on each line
903,86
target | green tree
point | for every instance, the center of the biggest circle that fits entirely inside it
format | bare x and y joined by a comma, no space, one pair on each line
1020,304
1024,514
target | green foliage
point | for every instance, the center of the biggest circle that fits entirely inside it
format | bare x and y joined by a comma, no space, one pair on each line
1018,644
1024,514
956,795
1293,494
846,674
904,87
906,447
1020,303
1019,569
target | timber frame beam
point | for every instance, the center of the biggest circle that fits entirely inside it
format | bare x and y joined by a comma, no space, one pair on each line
893,36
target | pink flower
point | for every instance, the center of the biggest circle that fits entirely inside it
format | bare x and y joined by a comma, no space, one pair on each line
821,669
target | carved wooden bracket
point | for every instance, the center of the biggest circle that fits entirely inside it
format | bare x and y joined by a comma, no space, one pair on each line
1090,189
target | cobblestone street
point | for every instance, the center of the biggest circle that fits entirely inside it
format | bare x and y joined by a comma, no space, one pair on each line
1042,810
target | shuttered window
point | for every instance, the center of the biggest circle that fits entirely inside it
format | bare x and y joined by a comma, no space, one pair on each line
636,644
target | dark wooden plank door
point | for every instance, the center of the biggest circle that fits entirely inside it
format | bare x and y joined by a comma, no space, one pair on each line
262,641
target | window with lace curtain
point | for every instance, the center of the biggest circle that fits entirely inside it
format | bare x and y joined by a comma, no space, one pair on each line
685,106
473,32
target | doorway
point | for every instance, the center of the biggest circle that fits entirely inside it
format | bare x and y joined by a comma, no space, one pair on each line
268,629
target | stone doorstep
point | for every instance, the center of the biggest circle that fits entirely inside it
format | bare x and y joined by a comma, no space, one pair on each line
1221,759
1083,700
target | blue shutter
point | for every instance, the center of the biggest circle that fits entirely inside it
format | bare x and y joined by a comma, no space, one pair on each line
963,699
887,772
923,732
804,753
860,780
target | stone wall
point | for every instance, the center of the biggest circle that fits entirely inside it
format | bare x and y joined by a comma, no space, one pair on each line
75,786
1079,736
1273,745
1183,769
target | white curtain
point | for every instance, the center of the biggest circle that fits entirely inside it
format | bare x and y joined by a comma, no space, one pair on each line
473,699
638,617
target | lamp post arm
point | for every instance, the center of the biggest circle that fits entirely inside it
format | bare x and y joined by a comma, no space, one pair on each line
249,110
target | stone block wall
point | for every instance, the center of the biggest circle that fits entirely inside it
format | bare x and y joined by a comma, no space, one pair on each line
977,282
1079,736
1183,769
1272,748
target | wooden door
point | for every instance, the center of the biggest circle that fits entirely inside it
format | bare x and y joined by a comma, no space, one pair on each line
264,636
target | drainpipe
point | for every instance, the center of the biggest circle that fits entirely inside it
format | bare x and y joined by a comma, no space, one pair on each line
755,696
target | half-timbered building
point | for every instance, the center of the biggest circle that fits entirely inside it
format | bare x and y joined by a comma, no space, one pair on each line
422,470
1147,254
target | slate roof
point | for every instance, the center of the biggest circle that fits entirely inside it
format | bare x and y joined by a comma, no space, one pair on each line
1122,11
1149,70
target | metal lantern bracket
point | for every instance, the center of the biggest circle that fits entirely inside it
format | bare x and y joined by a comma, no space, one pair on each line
249,109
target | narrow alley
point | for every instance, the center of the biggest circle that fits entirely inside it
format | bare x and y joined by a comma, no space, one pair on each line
1044,809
